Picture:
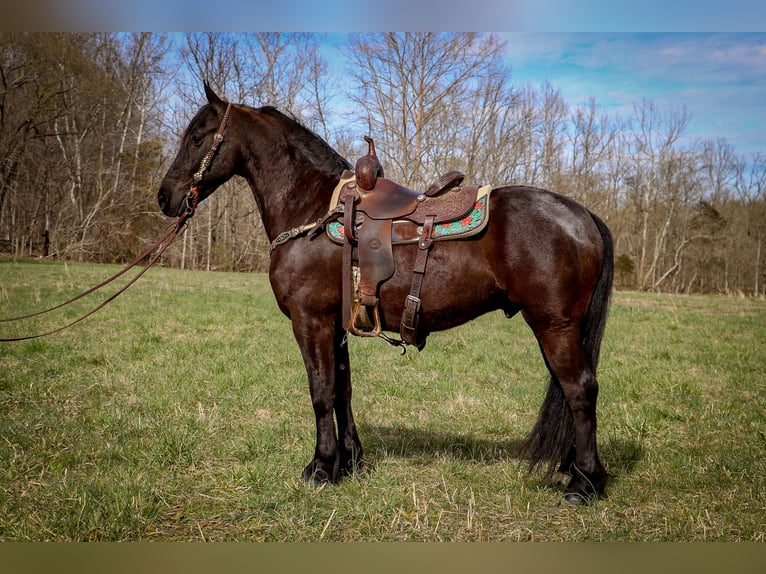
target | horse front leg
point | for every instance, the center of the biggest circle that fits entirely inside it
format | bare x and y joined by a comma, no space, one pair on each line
327,366
349,446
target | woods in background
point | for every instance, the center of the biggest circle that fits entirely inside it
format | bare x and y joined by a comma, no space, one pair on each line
89,122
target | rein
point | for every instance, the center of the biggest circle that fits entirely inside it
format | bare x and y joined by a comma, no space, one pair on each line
161,245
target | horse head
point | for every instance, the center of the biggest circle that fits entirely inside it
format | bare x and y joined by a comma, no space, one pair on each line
204,160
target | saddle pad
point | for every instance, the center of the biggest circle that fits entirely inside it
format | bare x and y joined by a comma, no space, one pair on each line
405,232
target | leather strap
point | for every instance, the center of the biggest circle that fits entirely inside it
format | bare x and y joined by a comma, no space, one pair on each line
445,182
349,214
161,245
409,326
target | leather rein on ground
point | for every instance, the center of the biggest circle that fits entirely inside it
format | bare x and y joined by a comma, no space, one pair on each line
160,246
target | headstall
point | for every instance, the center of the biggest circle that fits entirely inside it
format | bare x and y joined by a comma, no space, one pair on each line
192,196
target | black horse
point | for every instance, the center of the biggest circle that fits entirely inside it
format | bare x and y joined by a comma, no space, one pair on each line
541,254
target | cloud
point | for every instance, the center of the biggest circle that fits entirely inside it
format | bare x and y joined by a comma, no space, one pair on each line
719,78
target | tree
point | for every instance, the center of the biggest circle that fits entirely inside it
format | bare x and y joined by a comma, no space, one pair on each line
591,138
750,189
73,164
428,99
656,180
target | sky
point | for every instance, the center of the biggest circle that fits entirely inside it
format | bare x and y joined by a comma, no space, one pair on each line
720,78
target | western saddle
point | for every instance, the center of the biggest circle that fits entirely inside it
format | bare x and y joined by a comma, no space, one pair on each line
377,213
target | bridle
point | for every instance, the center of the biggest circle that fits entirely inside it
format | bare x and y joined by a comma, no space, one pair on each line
192,196
161,245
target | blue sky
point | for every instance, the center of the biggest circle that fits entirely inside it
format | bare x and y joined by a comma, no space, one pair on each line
720,77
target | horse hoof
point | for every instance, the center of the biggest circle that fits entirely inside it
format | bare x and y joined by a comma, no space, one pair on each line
579,498
315,476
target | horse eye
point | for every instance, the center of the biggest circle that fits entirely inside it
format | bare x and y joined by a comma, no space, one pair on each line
196,140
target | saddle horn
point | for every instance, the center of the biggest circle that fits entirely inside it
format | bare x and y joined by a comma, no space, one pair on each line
368,168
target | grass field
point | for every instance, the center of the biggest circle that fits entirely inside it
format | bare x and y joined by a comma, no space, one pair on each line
181,412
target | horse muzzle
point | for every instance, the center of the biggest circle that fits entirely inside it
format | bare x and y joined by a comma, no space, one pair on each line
171,202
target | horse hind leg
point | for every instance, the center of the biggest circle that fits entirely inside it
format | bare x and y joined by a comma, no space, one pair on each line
565,433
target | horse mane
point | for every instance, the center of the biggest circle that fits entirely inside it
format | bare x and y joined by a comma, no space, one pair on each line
309,142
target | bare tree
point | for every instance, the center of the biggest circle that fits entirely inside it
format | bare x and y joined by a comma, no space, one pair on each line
592,139
654,136
416,93
74,163
750,190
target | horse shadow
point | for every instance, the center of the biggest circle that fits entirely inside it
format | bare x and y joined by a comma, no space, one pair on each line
620,455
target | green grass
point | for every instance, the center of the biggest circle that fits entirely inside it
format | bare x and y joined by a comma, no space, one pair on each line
181,412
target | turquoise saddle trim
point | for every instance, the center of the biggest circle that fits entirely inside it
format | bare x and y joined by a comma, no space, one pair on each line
466,226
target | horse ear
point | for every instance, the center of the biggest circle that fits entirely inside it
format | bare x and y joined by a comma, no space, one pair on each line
213,98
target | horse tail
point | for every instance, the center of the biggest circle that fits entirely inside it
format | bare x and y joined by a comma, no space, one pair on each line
595,319
552,438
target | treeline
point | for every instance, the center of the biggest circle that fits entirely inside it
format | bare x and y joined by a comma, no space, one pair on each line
80,142
89,123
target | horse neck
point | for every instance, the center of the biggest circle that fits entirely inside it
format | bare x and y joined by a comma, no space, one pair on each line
290,187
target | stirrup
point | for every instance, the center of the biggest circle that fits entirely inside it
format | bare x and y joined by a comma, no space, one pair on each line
366,328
